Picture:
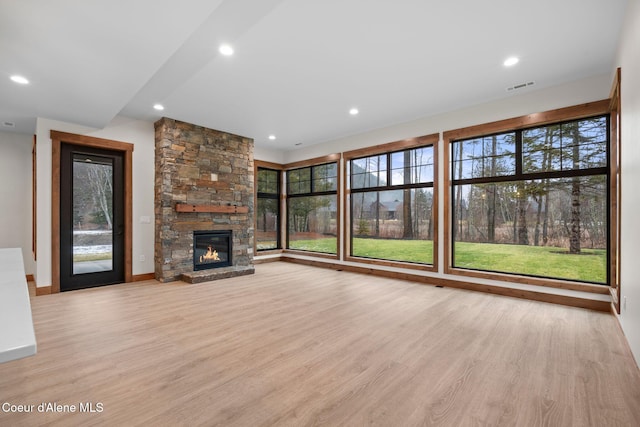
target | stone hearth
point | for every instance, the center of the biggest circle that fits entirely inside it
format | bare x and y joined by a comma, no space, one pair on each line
202,167
215,274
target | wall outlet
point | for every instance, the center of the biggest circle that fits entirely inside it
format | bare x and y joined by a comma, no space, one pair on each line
143,258
624,303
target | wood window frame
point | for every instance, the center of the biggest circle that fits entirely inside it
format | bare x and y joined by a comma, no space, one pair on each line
57,139
406,144
331,158
615,189
576,112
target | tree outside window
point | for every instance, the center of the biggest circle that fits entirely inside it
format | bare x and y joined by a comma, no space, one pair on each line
533,201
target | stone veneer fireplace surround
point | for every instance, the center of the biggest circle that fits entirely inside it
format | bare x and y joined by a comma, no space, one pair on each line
203,181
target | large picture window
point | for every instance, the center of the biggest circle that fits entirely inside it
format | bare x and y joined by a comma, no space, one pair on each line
533,201
268,210
312,208
392,205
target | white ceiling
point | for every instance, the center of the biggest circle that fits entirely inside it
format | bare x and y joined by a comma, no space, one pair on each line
299,65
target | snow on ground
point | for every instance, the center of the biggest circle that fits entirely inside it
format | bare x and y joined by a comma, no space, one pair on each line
91,231
95,249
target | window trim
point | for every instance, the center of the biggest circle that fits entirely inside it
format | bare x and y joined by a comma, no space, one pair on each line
576,112
318,161
615,188
387,148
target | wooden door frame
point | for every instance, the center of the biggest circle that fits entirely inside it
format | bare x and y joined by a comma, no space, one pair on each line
57,139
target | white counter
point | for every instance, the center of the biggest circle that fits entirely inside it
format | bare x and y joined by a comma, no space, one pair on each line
17,337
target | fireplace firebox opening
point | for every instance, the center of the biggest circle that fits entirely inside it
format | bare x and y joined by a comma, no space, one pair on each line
212,249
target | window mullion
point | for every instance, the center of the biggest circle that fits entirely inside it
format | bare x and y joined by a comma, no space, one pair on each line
519,167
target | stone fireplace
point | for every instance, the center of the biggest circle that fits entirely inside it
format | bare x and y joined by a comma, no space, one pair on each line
203,187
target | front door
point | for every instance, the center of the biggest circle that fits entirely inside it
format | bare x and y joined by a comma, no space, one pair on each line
91,217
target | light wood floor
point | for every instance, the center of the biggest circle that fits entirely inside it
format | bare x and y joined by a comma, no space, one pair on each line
296,345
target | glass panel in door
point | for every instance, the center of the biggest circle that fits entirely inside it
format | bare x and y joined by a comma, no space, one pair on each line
92,213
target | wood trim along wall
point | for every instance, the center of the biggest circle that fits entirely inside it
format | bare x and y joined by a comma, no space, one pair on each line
55,215
30,278
312,162
143,277
313,254
433,140
91,141
389,263
393,146
43,290
267,165
537,119
615,189
57,138
572,301
526,280
266,260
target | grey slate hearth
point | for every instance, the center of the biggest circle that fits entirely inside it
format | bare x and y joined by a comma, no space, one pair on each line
216,274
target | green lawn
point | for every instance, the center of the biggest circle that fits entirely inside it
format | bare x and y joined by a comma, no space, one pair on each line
328,245
395,250
590,266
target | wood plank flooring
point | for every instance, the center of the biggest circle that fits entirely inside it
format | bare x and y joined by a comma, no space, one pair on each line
295,346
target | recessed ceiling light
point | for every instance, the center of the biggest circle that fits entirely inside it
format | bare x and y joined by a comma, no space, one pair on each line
354,111
20,80
272,137
159,107
510,62
226,50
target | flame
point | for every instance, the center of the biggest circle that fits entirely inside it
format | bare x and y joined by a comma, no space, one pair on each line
211,255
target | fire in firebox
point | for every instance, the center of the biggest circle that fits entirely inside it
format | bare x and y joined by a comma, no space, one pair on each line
211,255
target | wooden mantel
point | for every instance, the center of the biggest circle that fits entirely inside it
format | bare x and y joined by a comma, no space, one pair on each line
185,207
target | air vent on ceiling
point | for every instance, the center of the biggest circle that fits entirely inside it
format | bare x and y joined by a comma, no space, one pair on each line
8,124
520,86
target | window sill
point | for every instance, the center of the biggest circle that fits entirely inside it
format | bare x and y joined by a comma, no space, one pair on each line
526,280
310,253
389,263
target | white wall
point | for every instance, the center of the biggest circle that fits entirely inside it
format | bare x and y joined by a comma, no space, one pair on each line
136,132
532,101
15,193
629,61
268,155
